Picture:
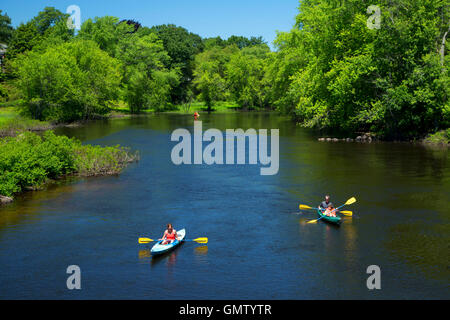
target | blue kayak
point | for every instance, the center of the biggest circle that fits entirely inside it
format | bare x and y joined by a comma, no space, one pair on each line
159,248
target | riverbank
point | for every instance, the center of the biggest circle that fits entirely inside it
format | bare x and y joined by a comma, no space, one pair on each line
28,161
12,122
186,108
440,138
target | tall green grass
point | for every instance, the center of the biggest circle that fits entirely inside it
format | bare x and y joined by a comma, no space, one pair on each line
29,160
11,122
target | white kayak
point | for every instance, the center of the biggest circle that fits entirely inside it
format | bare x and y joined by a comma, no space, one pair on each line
159,248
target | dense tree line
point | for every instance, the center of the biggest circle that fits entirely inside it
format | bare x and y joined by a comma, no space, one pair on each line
332,70
66,77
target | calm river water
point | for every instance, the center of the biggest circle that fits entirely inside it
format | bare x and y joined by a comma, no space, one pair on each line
260,246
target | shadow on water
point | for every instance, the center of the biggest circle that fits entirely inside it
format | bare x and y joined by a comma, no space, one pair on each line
170,258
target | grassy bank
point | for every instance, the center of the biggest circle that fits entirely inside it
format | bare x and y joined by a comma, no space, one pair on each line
187,108
441,137
28,160
218,107
11,122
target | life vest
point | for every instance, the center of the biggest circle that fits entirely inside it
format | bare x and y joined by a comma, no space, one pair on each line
170,236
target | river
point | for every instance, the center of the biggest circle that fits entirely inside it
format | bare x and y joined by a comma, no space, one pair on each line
260,244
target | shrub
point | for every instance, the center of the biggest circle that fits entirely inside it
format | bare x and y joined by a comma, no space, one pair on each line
28,160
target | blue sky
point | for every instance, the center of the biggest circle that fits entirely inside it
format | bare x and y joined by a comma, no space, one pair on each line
207,18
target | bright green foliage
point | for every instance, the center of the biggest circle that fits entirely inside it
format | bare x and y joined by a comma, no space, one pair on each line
210,72
160,88
440,137
230,72
335,72
210,43
330,71
97,160
147,82
48,18
106,32
28,160
149,76
181,46
245,75
280,68
71,81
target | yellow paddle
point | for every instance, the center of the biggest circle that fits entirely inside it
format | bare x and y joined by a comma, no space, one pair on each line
198,240
145,240
349,202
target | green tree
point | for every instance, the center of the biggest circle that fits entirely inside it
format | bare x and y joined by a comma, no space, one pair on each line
48,18
339,74
281,67
243,42
49,24
209,43
68,82
25,37
209,74
245,76
147,82
106,31
6,30
182,46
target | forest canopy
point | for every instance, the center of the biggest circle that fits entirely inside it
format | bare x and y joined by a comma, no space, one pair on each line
345,65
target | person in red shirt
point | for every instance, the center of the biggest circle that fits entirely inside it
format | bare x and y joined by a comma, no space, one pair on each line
170,235
330,211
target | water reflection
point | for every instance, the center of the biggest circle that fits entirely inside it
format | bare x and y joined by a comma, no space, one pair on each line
25,208
170,258
201,254
350,241
421,246
203,250
145,254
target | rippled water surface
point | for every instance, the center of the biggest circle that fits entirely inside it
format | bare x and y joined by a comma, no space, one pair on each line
260,246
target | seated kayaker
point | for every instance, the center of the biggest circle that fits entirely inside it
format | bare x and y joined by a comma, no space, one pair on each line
170,235
330,211
324,204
